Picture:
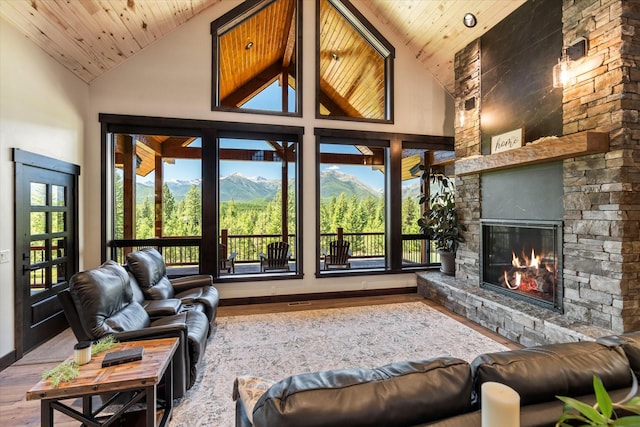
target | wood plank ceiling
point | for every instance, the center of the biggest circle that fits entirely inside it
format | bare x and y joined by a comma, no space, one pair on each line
90,37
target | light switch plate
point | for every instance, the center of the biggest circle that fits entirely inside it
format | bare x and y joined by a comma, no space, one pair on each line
4,256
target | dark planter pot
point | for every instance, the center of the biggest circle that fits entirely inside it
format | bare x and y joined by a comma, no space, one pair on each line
448,262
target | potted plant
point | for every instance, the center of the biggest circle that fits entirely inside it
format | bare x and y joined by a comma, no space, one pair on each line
603,413
439,222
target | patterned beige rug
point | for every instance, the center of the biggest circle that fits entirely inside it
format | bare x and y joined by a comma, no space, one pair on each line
278,345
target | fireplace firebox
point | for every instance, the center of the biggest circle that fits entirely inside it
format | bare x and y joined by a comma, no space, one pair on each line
523,259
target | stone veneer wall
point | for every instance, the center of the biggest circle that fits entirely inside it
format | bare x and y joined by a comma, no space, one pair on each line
602,192
468,143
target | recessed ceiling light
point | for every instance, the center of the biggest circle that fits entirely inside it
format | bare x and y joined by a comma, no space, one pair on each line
470,20
249,45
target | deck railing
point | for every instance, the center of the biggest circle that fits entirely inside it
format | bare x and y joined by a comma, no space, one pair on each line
185,251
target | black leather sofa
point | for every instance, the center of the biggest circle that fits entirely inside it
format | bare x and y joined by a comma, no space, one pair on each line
100,302
149,272
445,392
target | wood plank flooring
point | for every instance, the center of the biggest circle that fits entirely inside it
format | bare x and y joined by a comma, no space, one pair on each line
17,379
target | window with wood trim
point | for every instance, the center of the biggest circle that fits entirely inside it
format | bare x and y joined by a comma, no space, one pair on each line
256,65
369,186
355,65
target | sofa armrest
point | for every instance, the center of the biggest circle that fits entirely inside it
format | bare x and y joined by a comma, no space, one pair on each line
181,360
241,415
189,282
162,307
178,330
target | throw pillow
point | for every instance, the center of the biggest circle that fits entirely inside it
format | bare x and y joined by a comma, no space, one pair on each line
249,389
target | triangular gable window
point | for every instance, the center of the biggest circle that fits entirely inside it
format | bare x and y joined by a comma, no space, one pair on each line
355,70
254,55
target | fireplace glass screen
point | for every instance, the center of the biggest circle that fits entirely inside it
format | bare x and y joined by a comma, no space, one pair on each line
522,260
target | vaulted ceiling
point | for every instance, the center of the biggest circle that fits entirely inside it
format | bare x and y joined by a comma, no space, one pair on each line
90,37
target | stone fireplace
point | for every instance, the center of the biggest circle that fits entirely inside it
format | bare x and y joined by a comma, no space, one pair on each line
597,154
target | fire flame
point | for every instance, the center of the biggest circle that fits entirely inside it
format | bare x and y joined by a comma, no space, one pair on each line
528,267
533,262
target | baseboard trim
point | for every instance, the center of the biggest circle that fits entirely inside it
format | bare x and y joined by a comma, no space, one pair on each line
7,360
318,296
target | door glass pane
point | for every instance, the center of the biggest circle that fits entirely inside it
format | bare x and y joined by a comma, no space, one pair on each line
58,273
58,195
57,248
57,222
38,194
37,252
38,280
38,223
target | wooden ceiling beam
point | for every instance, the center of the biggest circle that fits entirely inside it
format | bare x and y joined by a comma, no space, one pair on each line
289,48
182,153
333,102
253,86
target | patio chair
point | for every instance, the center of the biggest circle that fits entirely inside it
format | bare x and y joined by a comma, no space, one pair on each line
338,255
226,262
277,257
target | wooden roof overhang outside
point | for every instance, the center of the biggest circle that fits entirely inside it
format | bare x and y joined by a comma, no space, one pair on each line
256,51
353,65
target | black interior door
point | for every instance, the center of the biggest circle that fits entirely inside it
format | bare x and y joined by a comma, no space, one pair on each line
46,245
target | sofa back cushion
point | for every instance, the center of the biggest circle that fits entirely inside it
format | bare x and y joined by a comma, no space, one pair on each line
104,301
539,374
149,269
399,394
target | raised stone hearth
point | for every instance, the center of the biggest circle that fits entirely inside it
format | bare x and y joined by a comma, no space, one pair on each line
518,321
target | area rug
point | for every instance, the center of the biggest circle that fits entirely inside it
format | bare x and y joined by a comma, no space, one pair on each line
278,345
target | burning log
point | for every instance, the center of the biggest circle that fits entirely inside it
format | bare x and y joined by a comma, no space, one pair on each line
531,275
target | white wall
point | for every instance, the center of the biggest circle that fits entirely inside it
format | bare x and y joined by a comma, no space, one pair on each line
42,110
172,78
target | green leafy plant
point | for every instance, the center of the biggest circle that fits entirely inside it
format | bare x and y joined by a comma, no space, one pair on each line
440,220
103,344
603,412
65,371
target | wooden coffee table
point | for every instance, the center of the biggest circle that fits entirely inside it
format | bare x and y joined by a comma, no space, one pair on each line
140,377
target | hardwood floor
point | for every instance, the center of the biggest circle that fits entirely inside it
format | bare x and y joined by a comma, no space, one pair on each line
17,379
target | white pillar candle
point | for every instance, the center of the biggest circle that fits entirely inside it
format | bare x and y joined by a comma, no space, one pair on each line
82,352
500,406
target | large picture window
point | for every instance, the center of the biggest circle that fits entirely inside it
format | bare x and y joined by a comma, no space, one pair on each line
258,216
212,197
369,190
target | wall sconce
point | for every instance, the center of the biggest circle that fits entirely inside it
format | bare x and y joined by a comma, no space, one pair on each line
562,70
462,111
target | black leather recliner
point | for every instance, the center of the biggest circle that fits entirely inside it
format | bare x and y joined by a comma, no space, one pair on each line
150,272
99,302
